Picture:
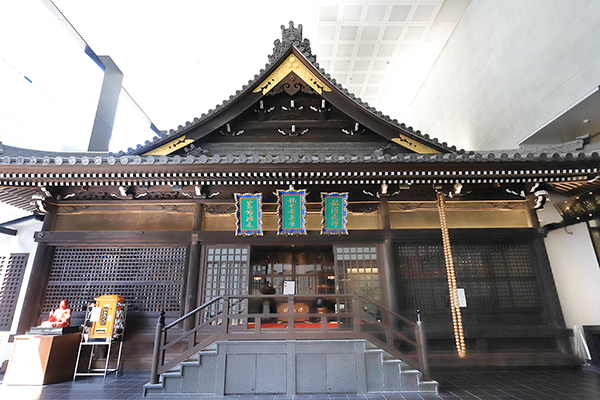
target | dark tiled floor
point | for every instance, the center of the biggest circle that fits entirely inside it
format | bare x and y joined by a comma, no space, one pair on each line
555,384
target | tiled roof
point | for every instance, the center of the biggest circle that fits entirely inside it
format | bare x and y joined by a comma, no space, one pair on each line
290,37
555,154
575,150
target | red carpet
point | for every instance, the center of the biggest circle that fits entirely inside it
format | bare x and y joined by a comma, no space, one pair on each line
272,325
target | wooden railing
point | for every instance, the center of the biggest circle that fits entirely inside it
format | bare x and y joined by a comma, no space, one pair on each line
300,317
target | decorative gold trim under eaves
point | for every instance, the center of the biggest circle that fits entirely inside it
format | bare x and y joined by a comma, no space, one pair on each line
410,144
170,147
292,64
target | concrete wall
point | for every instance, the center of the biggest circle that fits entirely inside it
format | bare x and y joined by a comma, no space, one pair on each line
509,68
575,269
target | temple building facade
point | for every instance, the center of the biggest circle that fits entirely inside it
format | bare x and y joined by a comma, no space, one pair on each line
351,224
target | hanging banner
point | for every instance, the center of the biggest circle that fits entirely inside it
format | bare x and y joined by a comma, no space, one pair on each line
291,210
248,214
334,213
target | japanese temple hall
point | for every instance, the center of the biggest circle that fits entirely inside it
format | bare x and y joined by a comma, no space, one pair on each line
295,240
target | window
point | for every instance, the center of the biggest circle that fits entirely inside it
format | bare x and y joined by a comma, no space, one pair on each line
226,275
358,271
311,269
149,278
494,275
12,269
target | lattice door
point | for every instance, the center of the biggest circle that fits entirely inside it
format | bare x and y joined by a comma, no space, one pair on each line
357,272
12,270
149,278
226,274
494,275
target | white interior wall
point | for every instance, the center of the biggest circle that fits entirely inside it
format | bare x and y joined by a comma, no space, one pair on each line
575,269
22,243
509,68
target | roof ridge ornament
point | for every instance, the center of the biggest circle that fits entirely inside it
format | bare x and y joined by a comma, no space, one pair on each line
290,36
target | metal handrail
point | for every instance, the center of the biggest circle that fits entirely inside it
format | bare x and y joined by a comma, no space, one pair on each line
382,329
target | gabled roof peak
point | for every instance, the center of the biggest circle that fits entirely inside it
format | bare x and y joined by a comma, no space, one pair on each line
290,36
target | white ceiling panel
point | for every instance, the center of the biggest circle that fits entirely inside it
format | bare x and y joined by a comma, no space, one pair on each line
424,13
376,13
190,47
348,32
370,33
365,50
352,13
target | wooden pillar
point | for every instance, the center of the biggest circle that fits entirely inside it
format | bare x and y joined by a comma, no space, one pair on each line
193,270
38,281
384,214
390,276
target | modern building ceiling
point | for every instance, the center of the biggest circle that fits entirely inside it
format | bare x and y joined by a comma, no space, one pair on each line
180,59
578,120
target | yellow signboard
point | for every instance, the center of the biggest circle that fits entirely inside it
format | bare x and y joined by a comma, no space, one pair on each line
109,320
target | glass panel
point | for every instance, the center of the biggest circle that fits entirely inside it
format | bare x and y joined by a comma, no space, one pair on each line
357,272
310,269
228,277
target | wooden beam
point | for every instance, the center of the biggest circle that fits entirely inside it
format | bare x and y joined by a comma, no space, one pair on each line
84,238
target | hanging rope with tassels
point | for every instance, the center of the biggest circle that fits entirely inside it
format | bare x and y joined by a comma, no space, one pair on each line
454,305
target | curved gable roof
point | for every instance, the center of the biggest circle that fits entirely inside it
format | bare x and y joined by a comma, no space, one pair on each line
293,54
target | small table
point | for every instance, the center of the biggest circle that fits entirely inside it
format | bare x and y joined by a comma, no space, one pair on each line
42,359
98,371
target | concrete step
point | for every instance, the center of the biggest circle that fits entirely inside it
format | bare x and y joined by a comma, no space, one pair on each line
199,374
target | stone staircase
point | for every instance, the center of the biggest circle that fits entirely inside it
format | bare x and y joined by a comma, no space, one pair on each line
290,367
387,374
196,375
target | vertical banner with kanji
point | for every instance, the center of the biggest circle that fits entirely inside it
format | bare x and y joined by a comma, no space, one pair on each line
291,210
334,213
248,214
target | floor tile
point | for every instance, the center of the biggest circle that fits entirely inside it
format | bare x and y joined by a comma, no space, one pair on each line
556,384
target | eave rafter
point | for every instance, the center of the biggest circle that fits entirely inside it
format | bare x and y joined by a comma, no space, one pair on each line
277,174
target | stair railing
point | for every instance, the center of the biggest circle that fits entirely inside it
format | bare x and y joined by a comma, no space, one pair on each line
353,317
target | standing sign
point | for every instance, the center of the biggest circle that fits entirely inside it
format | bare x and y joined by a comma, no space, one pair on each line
289,287
248,214
334,213
291,212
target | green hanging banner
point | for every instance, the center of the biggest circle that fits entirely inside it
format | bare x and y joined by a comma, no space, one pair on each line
334,213
291,210
248,214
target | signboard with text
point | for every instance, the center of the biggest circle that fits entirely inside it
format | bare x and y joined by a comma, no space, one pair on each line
248,214
334,213
291,211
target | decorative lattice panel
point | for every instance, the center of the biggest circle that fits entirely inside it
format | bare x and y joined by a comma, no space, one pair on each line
494,275
226,275
149,278
12,270
358,271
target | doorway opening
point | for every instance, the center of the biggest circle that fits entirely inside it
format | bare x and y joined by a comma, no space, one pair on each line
312,269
